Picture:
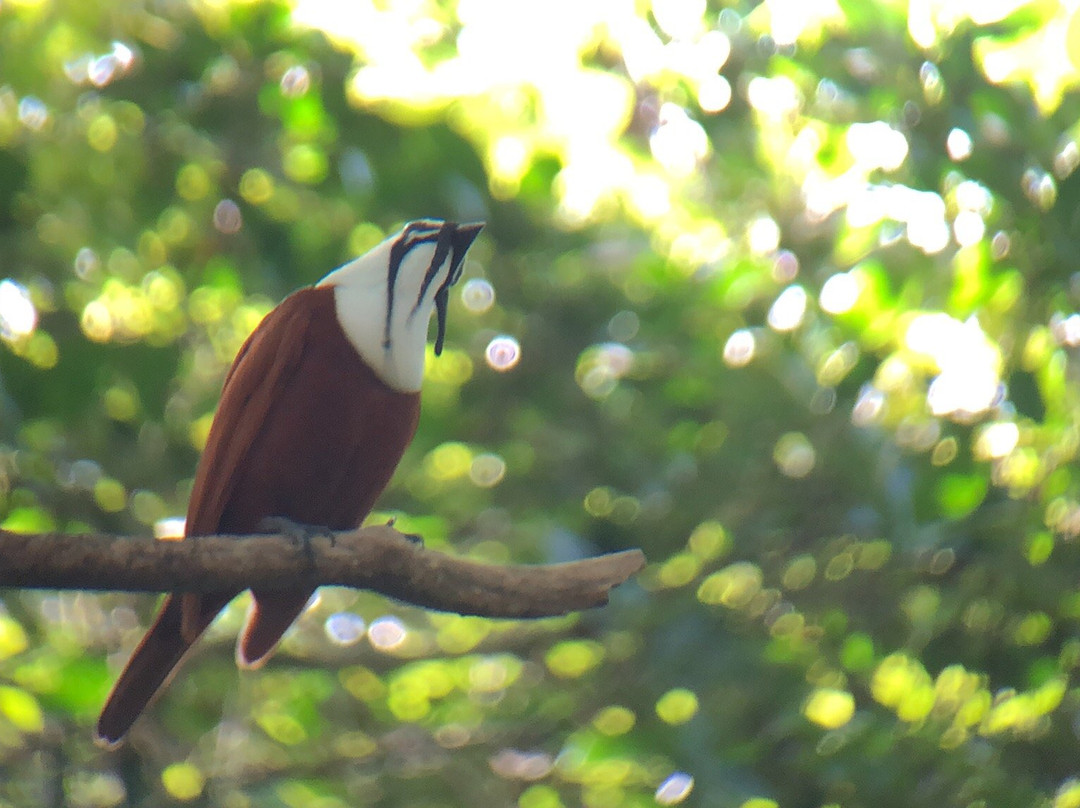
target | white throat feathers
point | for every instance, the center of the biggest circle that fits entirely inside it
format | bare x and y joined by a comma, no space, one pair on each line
385,298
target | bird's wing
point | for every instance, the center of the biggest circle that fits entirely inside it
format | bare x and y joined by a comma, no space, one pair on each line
263,365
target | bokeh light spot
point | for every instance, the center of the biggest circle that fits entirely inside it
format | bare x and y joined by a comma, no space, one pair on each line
28,519
785,266
624,326
969,228
944,451
478,295
124,55
794,455
100,71
305,163
734,586
13,639
102,133
502,353
86,263
514,764
21,710
121,402
491,674
800,572
679,570
840,566
1067,794
169,528
345,628
572,659
839,293
227,217
967,359
677,706
868,406
33,114
295,81
110,495
257,186
614,720
678,143
836,365
18,316
41,350
199,431
829,708
898,679
192,182
740,348
958,145
487,470
183,781
449,461
387,633
714,94
510,159
540,796
773,97
453,368
709,540
877,145
1039,187
599,502
600,366
760,802
1066,330
675,788
763,235
857,653
996,440
789,309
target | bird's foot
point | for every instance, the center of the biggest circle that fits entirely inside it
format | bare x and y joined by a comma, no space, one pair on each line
413,538
298,533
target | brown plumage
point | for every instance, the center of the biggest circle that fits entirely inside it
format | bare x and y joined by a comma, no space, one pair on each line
305,430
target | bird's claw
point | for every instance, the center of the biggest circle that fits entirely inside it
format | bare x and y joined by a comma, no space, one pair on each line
413,538
299,534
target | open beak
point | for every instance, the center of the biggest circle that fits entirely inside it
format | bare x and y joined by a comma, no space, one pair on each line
460,241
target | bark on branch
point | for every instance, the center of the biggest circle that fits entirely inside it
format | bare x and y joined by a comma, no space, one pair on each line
377,558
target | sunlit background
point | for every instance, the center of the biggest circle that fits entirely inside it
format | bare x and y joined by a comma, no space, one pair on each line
783,293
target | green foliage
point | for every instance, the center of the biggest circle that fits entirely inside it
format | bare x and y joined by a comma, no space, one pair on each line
782,293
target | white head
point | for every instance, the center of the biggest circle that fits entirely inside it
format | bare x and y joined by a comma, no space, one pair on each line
385,297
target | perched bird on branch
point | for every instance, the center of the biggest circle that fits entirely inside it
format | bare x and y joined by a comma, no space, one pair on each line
316,411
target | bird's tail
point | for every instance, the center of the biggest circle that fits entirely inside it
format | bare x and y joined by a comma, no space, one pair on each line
270,616
153,662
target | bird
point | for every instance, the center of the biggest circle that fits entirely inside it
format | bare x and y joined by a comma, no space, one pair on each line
316,411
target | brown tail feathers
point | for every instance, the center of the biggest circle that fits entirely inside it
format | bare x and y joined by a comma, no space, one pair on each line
153,663
270,616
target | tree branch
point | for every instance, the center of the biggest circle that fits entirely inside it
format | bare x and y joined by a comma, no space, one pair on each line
377,558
